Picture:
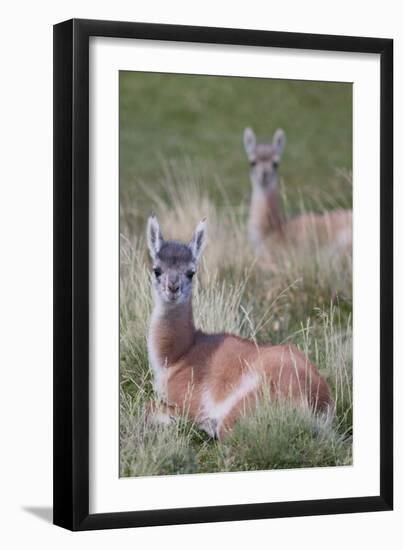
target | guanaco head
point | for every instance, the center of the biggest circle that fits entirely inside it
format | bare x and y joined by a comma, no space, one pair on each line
174,263
264,160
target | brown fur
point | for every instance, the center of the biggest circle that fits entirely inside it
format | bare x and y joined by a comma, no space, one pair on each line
266,217
174,334
267,221
321,227
219,361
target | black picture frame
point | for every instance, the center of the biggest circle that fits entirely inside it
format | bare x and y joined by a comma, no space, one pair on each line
71,274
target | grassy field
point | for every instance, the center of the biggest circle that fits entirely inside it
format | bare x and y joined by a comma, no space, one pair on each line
181,156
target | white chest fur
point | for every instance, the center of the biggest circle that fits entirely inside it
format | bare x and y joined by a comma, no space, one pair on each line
157,364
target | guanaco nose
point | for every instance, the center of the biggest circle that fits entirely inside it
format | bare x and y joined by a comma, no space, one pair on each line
173,285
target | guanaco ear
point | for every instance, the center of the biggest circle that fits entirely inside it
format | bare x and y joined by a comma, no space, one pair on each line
154,236
249,142
279,142
199,240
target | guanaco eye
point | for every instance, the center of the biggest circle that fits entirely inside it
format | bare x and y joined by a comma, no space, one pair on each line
252,163
157,272
190,274
275,164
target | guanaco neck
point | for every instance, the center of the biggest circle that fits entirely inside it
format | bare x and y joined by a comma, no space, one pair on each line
172,330
266,216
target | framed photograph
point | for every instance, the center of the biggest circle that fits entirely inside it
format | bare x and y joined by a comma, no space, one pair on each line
223,319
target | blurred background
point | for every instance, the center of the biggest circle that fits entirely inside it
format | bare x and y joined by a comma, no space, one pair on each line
171,118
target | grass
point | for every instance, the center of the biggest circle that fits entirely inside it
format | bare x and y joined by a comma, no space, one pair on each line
181,157
177,117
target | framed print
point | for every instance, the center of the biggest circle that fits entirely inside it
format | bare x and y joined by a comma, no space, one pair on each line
223,319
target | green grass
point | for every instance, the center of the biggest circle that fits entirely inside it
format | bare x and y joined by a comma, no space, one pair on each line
182,156
171,118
